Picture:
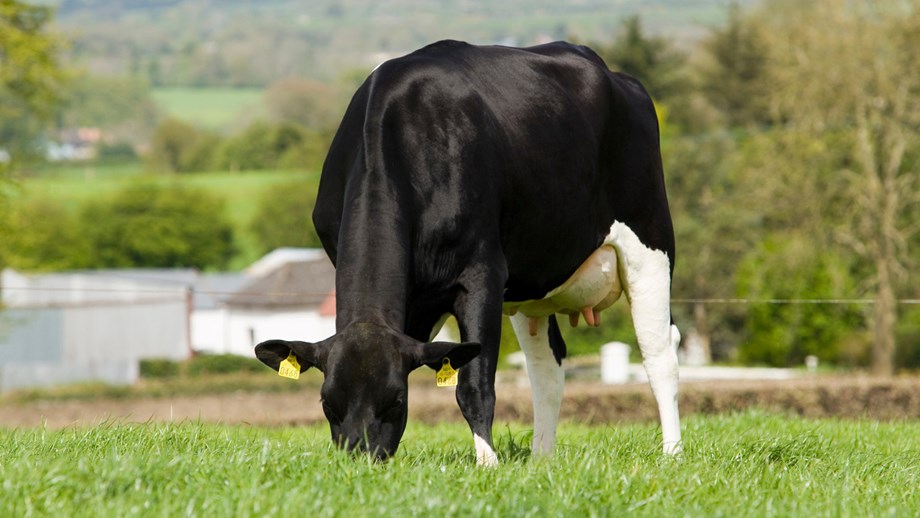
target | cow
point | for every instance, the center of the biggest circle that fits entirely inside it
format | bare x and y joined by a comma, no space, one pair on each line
475,181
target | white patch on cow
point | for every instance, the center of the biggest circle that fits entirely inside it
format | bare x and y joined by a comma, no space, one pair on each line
547,379
646,277
621,264
485,455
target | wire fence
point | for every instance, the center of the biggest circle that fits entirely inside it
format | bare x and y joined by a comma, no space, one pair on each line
296,293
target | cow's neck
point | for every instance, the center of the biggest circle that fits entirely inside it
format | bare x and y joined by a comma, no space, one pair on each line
372,267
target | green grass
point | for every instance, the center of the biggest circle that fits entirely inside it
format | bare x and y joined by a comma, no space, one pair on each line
73,186
213,108
751,464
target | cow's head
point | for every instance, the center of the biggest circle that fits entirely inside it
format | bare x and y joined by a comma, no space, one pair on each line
366,370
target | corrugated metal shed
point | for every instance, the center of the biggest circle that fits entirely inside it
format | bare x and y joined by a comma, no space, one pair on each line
60,328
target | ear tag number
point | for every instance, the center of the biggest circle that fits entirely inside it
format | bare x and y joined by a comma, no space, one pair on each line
289,368
447,376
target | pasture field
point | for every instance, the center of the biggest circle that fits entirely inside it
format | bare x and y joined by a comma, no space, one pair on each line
748,464
213,108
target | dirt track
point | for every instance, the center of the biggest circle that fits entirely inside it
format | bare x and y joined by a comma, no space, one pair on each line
846,397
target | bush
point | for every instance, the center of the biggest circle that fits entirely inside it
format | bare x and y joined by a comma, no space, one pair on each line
222,364
284,217
44,237
117,152
202,365
784,334
148,225
171,144
159,369
260,146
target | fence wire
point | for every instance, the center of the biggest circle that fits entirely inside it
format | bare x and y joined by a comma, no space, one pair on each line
183,290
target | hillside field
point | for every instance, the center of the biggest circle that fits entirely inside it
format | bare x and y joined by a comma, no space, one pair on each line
214,108
747,464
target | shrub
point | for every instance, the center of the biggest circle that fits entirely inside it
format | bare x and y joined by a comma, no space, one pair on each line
148,225
784,334
222,364
284,217
159,369
44,237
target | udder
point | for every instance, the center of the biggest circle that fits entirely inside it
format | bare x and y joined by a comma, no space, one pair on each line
593,287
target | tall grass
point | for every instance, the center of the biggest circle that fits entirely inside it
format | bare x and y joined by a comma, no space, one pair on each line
751,464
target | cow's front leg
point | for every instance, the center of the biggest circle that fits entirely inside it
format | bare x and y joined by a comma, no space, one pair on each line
479,314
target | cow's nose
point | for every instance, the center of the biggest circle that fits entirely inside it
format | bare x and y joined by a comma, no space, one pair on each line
361,446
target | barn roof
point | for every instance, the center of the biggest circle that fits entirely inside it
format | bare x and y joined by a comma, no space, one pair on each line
294,284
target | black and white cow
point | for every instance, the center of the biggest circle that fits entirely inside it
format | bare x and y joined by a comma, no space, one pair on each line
474,181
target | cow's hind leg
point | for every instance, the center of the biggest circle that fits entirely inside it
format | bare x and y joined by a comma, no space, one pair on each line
547,377
645,274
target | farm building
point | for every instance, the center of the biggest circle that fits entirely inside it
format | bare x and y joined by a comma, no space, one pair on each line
289,294
69,327
82,326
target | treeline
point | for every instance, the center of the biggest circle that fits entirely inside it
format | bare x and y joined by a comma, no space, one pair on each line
153,224
791,145
237,43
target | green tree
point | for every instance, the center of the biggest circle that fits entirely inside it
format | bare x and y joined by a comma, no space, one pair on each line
149,225
30,76
179,147
284,217
265,146
788,266
304,102
122,107
45,237
653,60
850,67
712,225
736,79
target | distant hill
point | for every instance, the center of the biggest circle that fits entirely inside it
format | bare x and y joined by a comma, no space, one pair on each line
244,43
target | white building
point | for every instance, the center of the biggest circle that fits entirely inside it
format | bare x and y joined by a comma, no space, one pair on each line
82,326
290,294
70,327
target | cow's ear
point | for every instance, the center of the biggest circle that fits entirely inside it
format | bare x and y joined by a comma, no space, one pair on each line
432,354
273,352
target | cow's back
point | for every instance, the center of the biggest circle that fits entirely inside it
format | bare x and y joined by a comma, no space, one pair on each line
523,149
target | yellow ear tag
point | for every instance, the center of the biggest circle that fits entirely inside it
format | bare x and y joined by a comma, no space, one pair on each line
289,368
447,376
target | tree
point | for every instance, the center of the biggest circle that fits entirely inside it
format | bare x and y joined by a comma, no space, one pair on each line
179,147
45,237
304,102
849,67
652,60
266,146
284,217
149,225
122,107
30,76
790,266
712,224
736,79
